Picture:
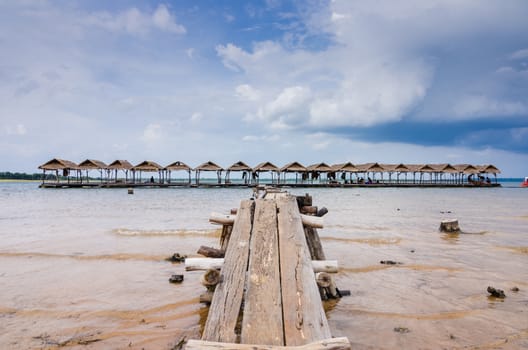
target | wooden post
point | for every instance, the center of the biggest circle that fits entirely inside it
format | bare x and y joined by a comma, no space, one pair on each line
211,252
227,299
304,318
314,243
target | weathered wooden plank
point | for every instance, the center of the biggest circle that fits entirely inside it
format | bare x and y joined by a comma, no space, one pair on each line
197,264
227,299
327,344
304,317
262,320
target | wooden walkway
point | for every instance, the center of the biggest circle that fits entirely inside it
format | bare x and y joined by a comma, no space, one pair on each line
267,297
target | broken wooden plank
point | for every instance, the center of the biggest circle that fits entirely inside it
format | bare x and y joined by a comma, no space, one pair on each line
326,344
262,320
303,313
227,299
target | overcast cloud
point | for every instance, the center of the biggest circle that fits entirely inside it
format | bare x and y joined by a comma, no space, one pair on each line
389,81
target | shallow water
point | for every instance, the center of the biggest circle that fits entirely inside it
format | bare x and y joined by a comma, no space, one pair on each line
85,268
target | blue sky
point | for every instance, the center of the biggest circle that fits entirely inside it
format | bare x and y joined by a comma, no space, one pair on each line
362,81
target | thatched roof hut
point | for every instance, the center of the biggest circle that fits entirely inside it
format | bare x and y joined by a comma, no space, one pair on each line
120,164
489,169
90,164
466,168
266,166
239,166
370,167
293,167
209,166
401,168
177,166
347,167
59,164
147,165
321,167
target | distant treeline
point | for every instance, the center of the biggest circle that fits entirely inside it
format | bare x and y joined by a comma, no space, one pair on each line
23,176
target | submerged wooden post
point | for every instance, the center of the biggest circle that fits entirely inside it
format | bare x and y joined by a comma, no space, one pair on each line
449,226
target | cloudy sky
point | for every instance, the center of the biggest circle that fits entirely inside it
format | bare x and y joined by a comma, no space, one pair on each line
362,81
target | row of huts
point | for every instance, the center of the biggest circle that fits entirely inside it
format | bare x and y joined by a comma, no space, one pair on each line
122,172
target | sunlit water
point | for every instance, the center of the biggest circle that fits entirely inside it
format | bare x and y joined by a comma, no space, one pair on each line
85,268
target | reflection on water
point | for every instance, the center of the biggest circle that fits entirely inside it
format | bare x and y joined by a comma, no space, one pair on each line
85,268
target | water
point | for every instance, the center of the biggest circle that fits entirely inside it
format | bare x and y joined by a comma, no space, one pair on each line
85,267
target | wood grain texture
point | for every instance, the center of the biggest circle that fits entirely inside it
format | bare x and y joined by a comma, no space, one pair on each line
326,344
227,299
303,314
262,320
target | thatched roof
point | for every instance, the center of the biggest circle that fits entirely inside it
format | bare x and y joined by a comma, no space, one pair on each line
345,167
92,164
466,168
208,166
402,168
177,166
320,167
489,168
239,166
58,164
443,168
266,166
374,167
147,165
426,168
293,167
120,164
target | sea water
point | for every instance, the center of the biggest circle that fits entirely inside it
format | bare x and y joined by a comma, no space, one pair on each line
86,267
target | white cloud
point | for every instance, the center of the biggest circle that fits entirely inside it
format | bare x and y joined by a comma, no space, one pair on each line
190,52
164,20
288,108
267,138
196,117
16,130
483,106
519,55
246,92
133,21
152,133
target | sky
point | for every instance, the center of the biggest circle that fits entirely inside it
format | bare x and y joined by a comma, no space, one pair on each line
388,81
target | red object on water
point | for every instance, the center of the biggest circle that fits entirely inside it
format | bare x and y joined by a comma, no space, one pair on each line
525,182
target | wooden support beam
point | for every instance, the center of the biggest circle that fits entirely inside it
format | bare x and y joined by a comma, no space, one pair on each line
211,252
262,319
304,317
311,221
202,264
326,344
227,299
222,219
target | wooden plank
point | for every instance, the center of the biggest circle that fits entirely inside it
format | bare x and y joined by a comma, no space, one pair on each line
262,320
314,243
227,299
197,264
303,314
326,344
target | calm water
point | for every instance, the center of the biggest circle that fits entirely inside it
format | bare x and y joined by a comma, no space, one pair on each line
85,268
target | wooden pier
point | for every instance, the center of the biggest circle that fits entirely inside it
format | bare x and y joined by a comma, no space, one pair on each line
266,295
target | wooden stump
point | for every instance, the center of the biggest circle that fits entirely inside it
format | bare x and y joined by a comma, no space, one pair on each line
449,226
